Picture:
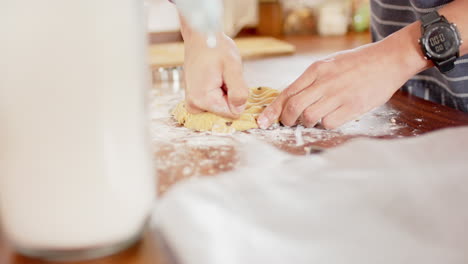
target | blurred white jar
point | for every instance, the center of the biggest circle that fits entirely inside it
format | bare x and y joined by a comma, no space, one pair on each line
334,17
76,179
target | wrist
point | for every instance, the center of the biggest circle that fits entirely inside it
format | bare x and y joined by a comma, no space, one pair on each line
193,36
185,29
404,49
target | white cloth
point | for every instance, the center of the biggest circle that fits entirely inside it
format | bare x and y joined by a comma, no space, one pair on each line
369,201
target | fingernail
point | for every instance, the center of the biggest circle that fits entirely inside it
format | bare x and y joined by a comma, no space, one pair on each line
239,109
221,109
263,122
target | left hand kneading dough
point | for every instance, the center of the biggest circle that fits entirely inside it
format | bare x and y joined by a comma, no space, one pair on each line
259,99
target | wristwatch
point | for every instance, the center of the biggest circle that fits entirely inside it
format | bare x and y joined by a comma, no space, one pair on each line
440,41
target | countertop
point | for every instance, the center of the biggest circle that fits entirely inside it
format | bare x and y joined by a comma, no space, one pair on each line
181,154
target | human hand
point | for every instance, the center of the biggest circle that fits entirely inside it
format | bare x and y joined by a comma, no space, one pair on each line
339,88
214,79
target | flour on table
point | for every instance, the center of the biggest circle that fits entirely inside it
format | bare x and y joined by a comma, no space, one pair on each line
182,151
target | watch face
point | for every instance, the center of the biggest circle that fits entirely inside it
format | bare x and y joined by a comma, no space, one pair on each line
441,41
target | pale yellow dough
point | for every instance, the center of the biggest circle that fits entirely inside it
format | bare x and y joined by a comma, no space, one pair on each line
259,99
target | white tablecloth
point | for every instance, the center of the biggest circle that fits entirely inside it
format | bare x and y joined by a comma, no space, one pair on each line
368,201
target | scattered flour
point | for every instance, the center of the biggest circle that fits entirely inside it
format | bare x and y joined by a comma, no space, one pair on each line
180,151
298,136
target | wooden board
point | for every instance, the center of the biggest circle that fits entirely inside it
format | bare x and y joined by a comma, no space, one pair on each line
172,54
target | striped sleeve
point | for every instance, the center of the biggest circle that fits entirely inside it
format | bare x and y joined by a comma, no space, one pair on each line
451,89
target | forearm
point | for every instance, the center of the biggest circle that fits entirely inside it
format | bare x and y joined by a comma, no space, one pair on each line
403,45
456,12
203,20
185,29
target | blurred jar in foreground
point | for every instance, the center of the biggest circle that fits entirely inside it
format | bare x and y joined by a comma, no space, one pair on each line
76,175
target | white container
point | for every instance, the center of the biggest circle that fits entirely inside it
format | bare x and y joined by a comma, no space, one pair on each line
334,17
76,179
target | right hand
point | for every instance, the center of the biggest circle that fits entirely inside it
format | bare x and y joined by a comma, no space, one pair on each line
341,87
214,79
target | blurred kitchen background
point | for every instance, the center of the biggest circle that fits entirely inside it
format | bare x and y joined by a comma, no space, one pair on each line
264,28
271,18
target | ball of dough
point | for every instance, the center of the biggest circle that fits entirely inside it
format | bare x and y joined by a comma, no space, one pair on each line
259,99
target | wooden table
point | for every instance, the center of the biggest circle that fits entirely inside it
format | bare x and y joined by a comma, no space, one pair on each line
413,117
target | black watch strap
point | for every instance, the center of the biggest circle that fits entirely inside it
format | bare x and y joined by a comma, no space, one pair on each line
447,65
430,18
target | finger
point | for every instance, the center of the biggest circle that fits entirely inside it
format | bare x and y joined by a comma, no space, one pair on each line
198,101
314,113
270,114
200,91
192,108
296,105
301,83
305,80
237,89
340,116
274,110
214,101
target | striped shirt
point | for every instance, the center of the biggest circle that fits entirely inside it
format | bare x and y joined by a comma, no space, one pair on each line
450,88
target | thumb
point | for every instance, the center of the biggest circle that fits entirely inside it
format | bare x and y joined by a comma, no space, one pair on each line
236,87
274,110
216,102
